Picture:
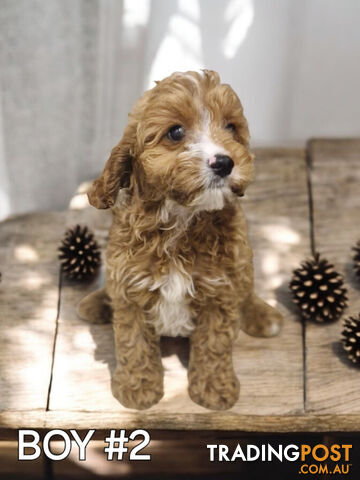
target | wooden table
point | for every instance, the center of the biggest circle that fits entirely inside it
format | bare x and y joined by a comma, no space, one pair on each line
55,369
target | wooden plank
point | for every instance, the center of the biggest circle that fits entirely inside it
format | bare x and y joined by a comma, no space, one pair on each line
333,384
102,421
12,468
276,205
29,299
227,420
29,294
270,370
84,353
167,457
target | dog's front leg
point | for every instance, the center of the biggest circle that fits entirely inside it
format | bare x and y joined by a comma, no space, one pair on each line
138,378
212,380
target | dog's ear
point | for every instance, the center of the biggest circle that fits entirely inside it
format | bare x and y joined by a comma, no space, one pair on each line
116,173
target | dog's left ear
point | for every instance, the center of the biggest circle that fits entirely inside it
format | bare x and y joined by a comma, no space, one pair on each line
116,173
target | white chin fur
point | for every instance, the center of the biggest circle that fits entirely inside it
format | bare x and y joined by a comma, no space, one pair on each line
211,199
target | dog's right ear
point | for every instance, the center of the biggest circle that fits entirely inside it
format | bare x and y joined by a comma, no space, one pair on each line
116,173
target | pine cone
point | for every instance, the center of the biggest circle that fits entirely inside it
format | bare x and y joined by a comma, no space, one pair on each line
351,338
357,259
318,290
79,255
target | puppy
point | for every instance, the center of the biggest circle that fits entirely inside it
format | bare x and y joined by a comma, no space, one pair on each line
179,261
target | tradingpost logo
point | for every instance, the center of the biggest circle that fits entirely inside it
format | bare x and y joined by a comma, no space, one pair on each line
315,460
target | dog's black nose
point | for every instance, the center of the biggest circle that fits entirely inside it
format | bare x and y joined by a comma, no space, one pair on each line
222,165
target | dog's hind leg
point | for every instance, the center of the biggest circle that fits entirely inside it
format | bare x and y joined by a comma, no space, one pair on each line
260,319
95,307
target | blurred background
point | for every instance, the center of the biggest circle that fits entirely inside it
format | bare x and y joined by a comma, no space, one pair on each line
70,70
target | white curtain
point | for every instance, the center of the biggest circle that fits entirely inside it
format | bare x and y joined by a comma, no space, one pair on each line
70,71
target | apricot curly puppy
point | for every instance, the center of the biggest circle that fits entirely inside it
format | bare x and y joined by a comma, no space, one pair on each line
178,260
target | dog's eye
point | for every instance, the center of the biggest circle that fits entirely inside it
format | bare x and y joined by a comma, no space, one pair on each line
230,126
176,133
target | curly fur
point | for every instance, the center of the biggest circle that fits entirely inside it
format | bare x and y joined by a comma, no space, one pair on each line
178,258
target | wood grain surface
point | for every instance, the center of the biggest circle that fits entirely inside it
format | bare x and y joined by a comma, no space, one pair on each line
28,308
333,383
55,369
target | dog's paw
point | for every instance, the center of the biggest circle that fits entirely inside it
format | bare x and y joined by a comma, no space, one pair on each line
95,307
262,321
215,392
139,393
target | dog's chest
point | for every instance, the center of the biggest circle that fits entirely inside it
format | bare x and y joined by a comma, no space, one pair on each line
171,314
